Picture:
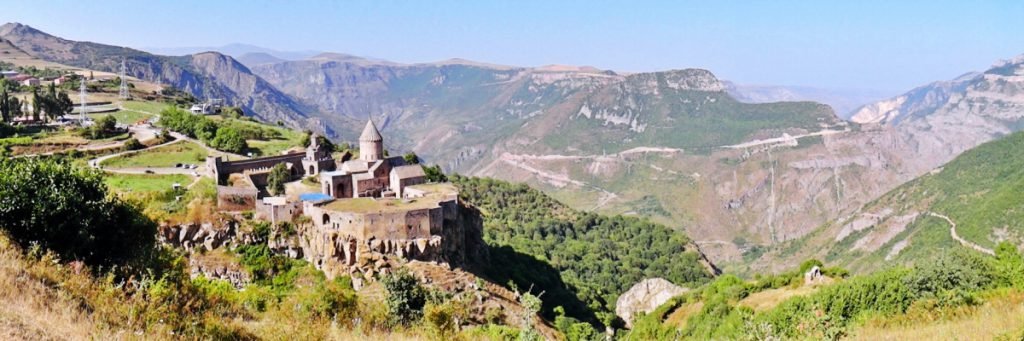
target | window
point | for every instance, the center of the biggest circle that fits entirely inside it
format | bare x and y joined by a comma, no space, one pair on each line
326,219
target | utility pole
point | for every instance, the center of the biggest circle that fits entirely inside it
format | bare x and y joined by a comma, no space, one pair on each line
124,82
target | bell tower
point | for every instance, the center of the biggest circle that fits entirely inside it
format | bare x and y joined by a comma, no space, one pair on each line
371,144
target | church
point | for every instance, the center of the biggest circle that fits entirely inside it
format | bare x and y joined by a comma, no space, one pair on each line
372,175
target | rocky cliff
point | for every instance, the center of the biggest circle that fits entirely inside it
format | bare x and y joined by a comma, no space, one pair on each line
644,297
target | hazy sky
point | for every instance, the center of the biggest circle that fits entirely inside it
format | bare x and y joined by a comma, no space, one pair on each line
892,45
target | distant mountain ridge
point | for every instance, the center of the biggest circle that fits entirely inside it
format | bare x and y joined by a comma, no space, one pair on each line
235,50
205,75
843,101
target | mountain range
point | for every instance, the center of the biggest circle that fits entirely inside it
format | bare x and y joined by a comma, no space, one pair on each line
681,147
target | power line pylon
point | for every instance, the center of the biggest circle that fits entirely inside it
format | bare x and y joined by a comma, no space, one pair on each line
124,94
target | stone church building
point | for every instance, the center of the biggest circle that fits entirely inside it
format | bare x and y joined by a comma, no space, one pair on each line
371,175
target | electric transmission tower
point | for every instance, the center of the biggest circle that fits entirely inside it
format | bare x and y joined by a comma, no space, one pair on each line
81,97
124,82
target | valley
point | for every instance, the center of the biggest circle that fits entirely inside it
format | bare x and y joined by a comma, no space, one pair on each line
248,193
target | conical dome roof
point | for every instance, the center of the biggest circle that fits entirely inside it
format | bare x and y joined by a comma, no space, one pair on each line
370,133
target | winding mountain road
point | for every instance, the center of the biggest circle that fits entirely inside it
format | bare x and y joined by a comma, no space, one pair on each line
964,242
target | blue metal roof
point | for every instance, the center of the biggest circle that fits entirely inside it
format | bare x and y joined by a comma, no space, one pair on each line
313,197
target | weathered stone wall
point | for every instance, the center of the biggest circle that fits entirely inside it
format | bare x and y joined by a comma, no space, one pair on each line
221,169
280,213
348,243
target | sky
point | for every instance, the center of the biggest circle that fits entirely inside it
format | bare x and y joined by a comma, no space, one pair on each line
881,45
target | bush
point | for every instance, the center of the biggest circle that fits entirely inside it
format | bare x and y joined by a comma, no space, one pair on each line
405,297
133,144
959,271
37,198
104,127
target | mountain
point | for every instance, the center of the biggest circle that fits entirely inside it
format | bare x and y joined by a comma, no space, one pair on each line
256,58
930,126
843,101
943,119
672,145
235,50
205,75
979,191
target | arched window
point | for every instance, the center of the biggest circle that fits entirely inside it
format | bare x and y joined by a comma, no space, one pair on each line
311,170
326,219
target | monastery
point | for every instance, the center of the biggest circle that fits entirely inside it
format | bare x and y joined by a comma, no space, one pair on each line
368,209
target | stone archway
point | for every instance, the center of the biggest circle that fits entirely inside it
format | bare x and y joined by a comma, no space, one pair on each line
326,219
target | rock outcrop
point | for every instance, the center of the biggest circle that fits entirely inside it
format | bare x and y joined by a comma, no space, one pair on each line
195,237
644,297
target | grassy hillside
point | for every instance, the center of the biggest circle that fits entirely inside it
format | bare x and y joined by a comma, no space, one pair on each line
980,191
961,296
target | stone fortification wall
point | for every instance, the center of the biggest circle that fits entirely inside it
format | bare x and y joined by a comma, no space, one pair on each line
221,169
280,213
349,243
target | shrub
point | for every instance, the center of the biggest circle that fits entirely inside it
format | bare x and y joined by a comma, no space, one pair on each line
960,271
133,144
37,198
405,297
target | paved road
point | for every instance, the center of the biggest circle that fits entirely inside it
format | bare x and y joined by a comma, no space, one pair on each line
964,242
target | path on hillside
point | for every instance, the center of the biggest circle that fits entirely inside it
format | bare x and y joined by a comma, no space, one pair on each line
784,138
964,242
234,157
95,163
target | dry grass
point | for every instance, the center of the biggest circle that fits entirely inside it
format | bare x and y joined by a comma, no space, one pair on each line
1001,316
33,309
680,315
768,299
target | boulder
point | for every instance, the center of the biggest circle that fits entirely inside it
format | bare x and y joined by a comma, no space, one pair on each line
644,297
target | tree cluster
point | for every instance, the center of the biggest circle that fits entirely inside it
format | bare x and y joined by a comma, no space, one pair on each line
51,103
220,135
598,257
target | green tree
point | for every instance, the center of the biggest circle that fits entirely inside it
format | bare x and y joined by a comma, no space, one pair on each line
64,104
232,112
37,104
278,176
5,110
411,158
14,107
103,127
1009,265
204,129
405,297
229,140
68,210
434,173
